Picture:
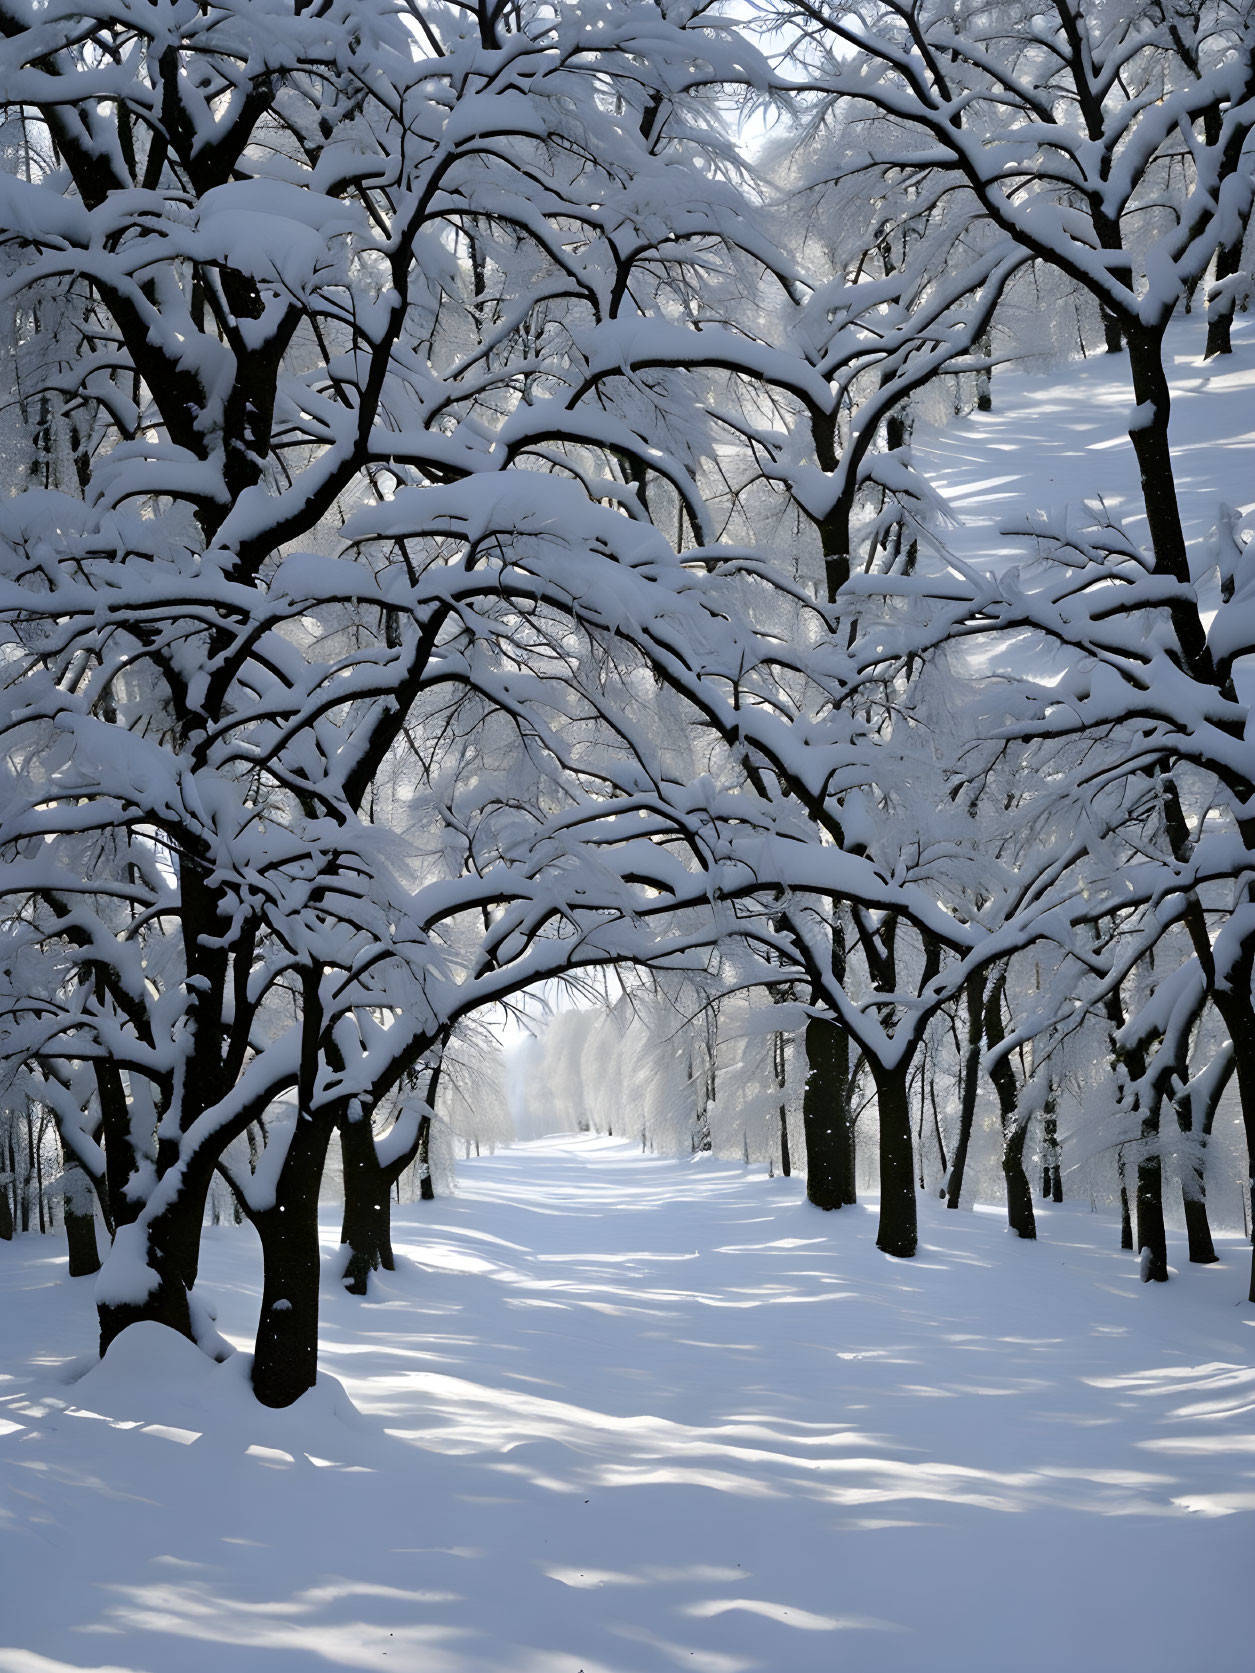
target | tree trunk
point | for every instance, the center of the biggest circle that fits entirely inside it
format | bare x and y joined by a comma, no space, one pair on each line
1198,1229
1149,435
79,1198
285,1362
1202,1250
1152,1240
1233,1001
367,1224
1220,313
898,1232
29,1178
40,1196
426,1190
170,1245
166,1303
780,1065
827,1131
6,1210
975,994
1126,1219
1051,1172
1014,1129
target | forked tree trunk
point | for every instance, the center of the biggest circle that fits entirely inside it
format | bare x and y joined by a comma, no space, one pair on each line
166,1303
170,1245
366,1228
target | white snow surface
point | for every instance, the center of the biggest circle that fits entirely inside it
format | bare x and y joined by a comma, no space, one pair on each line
1058,439
623,1414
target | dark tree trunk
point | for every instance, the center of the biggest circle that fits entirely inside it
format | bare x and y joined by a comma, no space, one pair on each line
6,1210
1202,1250
1152,1240
80,1218
827,1130
1220,314
1233,1001
80,1238
1231,995
937,1134
1014,1129
780,1064
171,1246
1126,1218
367,1224
40,1195
1149,435
426,1190
1051,1172
285,1362
898,1231
1198,1230
166,1303
29,1180
975,994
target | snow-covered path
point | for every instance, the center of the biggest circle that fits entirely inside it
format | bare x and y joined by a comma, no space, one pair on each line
622,1414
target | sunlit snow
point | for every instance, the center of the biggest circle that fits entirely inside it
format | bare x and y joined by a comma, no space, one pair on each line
623,1414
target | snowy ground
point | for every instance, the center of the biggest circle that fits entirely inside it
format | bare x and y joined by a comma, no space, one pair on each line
622,1414
1057,439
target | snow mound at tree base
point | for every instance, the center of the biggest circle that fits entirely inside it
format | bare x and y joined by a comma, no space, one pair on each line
153,1375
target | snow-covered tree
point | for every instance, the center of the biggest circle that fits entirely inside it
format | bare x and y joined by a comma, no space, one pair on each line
316,257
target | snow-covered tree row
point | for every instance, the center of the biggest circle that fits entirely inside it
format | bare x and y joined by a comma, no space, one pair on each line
464,531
